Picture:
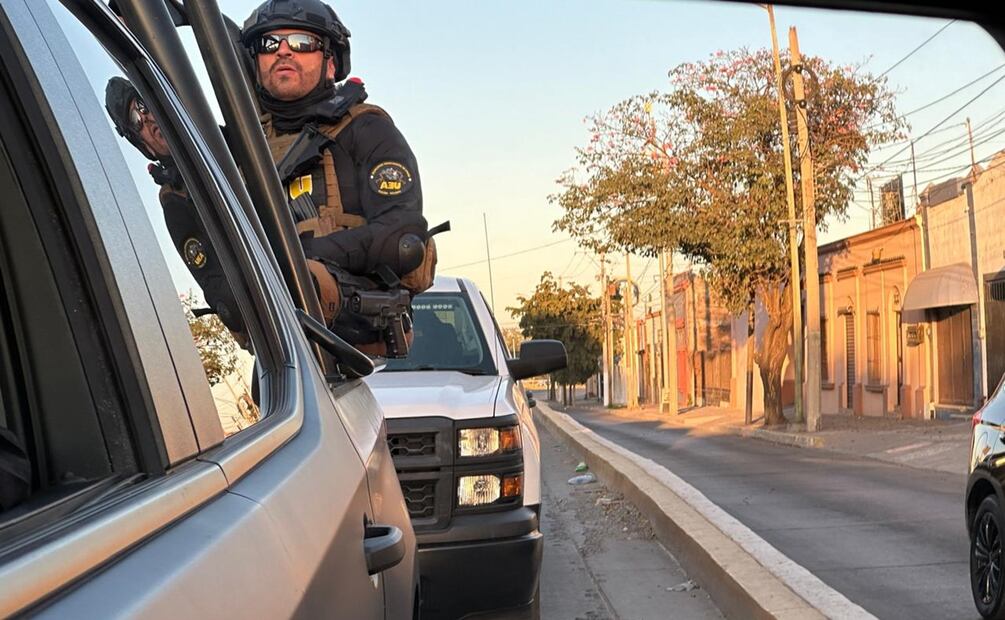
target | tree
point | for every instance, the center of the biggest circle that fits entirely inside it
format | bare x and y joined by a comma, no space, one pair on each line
213,341
512,337
699,170
569,314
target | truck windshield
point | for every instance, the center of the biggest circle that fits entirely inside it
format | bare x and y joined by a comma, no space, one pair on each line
447,337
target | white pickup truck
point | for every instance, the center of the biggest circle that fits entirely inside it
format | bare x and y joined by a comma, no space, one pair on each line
467,453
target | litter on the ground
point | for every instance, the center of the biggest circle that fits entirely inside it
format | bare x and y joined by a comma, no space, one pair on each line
582,467
687,586
583,479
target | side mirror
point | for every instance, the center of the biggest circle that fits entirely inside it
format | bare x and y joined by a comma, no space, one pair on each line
538,357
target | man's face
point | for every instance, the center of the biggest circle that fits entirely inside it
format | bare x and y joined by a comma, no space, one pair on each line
149,132
288,75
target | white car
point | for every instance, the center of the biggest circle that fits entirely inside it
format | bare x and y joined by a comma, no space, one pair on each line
467,453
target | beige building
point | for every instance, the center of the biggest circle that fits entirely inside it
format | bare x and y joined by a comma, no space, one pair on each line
870,363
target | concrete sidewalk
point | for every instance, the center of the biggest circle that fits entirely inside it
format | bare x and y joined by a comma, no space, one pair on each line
941,445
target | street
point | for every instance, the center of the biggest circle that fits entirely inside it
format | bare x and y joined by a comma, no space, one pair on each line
601,561
888,537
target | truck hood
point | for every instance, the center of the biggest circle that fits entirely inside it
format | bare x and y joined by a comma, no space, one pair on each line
425,393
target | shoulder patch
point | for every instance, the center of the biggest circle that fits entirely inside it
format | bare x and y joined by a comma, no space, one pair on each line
390,178
194,253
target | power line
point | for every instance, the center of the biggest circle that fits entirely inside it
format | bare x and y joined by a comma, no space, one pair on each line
511,254
912,52
940,99
933,128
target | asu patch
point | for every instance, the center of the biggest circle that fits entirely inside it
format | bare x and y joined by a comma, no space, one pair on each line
390,178
303,185
194,253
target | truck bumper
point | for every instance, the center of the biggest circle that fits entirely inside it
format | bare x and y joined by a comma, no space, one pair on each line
482,577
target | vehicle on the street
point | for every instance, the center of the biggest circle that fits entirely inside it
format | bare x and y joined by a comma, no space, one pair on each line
141,473
984,503
467,453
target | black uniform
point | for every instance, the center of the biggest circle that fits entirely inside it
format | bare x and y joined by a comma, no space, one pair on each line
190,239
378,180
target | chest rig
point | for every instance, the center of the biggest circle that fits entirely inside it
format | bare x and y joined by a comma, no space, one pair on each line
331,216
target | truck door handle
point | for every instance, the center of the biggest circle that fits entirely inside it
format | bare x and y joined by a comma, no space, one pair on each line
384,547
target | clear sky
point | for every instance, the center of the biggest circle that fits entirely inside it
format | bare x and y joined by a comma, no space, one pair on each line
491,96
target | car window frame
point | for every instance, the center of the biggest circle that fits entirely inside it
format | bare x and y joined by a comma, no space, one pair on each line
37,568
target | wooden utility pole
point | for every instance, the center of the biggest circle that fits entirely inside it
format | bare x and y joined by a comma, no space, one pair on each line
608,349
973,162
488,259
872,202
748,407
925,252
631,358
797,302
669,402
813,375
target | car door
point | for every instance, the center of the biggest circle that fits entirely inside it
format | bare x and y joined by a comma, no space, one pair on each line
177,500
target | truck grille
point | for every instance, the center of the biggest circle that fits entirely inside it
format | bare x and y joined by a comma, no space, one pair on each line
420,497
412,444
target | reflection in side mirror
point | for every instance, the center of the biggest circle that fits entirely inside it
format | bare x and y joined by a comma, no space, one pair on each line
538,357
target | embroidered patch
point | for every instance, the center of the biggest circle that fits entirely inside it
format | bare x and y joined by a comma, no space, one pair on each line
303,185
195,255
390,178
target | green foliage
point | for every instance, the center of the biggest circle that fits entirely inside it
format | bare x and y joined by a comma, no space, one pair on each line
214,342
699,169
569,314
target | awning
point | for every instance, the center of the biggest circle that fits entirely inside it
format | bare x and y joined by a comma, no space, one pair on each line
952,285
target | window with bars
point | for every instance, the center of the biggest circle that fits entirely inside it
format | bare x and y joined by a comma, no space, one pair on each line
873,349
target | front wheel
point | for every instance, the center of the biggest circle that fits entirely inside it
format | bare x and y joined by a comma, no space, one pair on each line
986,559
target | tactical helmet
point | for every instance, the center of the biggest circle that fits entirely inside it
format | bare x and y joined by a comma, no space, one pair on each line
310,15
119,94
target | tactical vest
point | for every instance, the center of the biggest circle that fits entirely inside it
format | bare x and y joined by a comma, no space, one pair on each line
331,216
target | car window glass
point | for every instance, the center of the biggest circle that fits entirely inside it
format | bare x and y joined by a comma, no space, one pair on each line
203,291
447,337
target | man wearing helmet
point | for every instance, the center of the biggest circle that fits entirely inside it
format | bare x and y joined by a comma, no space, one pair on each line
135,123
362,221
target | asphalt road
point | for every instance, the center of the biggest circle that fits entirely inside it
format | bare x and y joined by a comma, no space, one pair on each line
601,560
890,538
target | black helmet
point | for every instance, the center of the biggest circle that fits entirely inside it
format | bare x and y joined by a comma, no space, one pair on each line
311,15
119,94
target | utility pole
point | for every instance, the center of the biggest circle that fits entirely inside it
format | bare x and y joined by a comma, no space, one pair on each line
631,378
872,201
925,253
670,402
606,366
797,302
806,179
973,162
488,258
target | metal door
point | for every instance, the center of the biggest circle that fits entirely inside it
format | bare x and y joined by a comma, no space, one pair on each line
994,309
956,355
850,372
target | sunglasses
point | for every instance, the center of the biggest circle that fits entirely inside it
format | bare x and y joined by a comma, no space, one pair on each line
299,42
137,116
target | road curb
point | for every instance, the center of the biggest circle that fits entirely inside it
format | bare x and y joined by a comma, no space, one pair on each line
746,577
783,437
788,438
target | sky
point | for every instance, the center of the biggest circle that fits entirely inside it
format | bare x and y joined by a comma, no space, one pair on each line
492,98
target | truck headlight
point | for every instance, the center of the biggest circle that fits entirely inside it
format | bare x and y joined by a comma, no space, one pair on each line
488,488
488,441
